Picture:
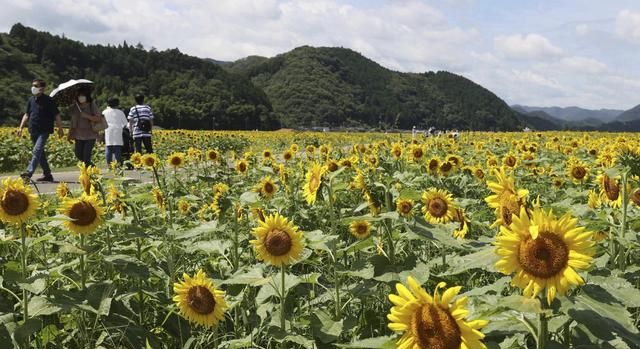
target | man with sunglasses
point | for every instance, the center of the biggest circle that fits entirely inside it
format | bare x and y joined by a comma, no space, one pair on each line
41,113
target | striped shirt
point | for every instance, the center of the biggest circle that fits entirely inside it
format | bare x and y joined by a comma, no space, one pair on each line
140,112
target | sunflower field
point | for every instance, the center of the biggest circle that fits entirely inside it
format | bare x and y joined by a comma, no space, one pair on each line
331,240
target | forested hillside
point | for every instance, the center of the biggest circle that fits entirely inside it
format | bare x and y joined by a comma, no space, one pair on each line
305,87
339,87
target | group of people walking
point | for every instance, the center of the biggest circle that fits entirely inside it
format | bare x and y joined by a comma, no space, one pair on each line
42,112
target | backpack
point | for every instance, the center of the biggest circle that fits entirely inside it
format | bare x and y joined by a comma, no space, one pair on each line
144,125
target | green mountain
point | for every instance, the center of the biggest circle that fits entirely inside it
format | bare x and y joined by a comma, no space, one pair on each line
339,87
632,114
184,91
305,87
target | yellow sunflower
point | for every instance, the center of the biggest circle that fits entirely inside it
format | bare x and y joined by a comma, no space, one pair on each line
510,160
62,190
198,300
136,159
446,168
433,165
158,196
504,190
544,252
610,190
287,155
417,153
436,321
242,166
463,229
278,242
404,207
438,206
176,160
184,207
85,213
313,181
150,160
267,187
396,150
360,229
213,155
577,171
17,203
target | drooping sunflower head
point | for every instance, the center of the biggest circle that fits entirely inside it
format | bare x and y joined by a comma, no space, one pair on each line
198,300
17,203
463,228
278,242
504,189
360,229
62,190
242,166
438,206
610,190
158,196
544,252
85,214
176,160
437,321
312,182
404,207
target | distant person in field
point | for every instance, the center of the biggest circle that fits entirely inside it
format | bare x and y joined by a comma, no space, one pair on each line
113,135
141,122
41,112
83,113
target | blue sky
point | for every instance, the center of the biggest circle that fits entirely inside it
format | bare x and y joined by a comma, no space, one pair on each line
544,53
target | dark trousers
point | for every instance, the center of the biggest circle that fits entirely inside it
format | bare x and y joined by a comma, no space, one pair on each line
83,150
138,142
114,151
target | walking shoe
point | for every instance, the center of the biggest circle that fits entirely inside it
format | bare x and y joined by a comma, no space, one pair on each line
25,177
48,178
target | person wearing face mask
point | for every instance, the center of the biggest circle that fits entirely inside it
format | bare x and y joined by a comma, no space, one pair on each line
41,113
83,112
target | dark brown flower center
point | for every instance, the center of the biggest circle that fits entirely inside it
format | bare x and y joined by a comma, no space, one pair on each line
15,202
578,172
511,161
446,167
242,167
417,153
213,155
434,328
437,207
277,242
545,256
433,165
397,152
83,213
333,166
268,188
405,207
362,228
287,156
176,161
201,300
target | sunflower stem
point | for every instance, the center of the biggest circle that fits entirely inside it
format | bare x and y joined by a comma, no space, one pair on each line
543,331
25,298
623,226
82,272
282,299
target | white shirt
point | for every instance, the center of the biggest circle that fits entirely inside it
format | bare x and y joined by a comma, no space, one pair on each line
116,121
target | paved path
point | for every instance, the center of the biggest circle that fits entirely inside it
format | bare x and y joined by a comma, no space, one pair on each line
71,178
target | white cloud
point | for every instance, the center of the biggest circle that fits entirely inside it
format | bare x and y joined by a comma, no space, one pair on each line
582,29
568,68
531,46
628,25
